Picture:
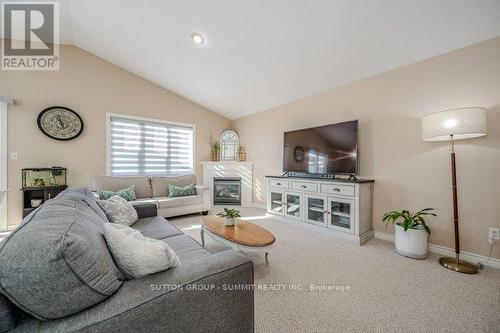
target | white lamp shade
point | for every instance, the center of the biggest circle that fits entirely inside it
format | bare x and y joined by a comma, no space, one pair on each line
465,123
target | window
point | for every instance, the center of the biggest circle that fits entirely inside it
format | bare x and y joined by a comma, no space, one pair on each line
317,162
147,147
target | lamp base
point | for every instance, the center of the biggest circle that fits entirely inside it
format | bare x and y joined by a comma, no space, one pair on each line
458,265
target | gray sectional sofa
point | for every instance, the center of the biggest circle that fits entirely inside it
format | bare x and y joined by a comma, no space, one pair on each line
155,190
57,275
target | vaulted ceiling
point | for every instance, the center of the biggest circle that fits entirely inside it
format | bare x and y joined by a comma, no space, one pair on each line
263,53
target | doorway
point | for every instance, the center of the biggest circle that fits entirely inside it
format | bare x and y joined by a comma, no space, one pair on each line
3,164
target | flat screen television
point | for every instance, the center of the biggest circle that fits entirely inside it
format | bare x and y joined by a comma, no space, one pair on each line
329,149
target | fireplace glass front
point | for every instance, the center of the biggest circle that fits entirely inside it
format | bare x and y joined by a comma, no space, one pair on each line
227,190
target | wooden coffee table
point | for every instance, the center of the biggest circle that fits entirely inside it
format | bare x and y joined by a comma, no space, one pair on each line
243,236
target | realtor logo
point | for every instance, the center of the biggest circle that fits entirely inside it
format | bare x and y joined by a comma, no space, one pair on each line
30,36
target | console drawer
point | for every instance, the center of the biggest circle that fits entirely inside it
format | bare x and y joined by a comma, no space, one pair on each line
338,189
304,186
279,183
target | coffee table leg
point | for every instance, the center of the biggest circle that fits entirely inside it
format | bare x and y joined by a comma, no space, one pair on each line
202,234
267,261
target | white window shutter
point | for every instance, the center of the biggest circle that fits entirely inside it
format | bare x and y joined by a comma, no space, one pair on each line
140,147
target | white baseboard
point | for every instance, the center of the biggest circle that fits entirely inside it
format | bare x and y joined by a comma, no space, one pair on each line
446,251
383,236
258,205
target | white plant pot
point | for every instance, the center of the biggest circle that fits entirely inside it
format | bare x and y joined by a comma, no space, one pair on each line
229,221
411,243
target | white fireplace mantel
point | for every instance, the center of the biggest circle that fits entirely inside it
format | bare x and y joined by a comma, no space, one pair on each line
244,170
225,163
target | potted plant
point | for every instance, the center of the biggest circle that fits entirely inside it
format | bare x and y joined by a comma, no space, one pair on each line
215,152
229,215
411,233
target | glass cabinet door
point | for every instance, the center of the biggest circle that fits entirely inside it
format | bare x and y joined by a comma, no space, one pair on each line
316,210
293,205
341,214
276,202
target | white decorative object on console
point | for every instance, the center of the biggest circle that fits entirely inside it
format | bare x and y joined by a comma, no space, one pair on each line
231,171
340,205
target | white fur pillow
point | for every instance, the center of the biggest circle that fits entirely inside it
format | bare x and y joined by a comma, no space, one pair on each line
136,255
118,210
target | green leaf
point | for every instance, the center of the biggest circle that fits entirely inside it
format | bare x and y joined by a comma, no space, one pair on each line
406,225
410,221
391,217
426,228
229,212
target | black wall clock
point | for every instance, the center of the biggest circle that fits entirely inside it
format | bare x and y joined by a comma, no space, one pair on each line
60,123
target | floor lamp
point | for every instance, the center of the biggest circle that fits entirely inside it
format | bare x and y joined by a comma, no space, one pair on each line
451,125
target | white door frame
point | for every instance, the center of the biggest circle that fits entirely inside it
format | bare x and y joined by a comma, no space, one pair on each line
3,162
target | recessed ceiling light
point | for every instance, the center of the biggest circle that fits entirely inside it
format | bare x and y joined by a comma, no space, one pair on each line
198,38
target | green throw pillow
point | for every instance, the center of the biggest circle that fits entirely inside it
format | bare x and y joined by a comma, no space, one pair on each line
178,191
127,194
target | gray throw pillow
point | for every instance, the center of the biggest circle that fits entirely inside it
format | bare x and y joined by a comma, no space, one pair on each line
136,255
84,194
119,211
57,262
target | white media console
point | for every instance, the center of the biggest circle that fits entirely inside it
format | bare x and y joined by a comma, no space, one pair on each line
340,205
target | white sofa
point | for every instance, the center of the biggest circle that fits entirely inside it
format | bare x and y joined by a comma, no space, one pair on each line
155,190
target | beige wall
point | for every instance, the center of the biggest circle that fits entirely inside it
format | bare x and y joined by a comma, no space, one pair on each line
409,173
92,87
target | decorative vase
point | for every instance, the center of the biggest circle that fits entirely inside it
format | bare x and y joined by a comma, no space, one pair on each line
243,154
411,243
229,221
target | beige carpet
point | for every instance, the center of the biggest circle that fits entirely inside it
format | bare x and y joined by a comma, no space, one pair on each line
385,292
